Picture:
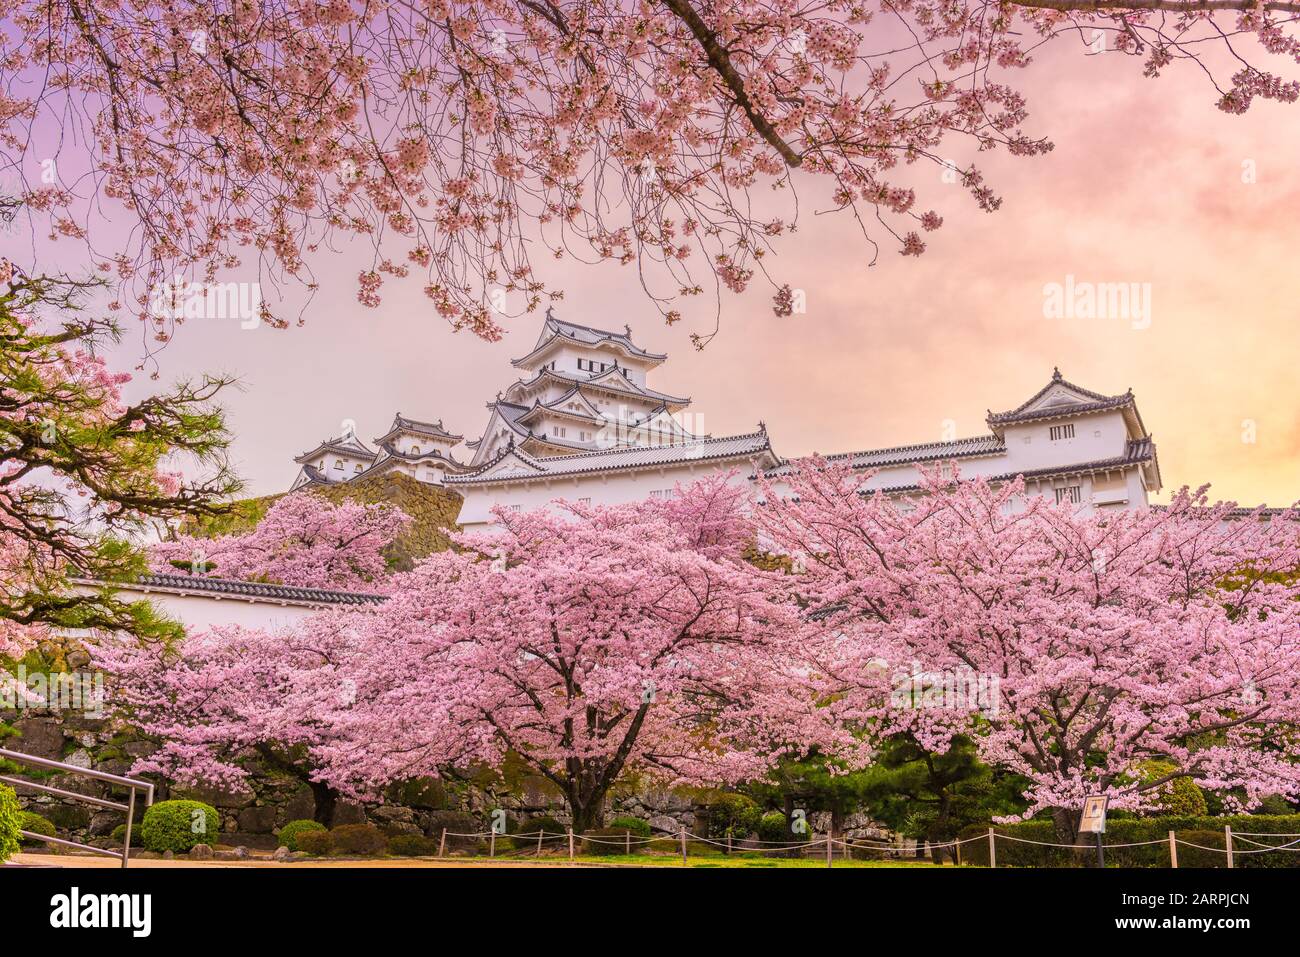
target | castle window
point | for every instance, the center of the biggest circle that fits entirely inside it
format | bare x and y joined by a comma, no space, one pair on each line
1057,432
415,450
357,468
338,465
1070,493
558,431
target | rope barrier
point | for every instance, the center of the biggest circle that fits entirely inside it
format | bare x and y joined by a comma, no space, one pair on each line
1075,847
876,844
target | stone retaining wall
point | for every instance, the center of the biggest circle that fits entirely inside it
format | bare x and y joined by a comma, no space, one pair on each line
251,816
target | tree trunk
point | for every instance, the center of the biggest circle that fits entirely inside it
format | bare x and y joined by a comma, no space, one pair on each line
326,799
588,812
937,832
1066,823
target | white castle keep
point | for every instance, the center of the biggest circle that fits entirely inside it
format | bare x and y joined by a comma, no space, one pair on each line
582,423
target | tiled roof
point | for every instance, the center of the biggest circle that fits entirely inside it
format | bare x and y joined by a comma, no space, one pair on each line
588,336
257,590
1136,452
1025,411
908,454
403,424
392,457
631,457
346,444
315,476
622,386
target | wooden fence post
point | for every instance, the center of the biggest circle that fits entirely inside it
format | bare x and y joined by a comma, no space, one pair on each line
1173,850
442,843
540,832
993,849
570,843
492,844
830,849
1227,841
683,845
627,842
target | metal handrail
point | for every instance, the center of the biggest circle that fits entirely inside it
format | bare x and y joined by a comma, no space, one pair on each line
134,784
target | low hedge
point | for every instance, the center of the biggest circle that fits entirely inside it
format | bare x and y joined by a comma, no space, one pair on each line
523,836
412,845
638,827
9,828
360,839
316,843
119,835
1204,831
608,841
289,834
30,821
178,826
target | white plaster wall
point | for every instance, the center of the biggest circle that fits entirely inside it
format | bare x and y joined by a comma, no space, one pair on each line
1100,436
198,613
609,489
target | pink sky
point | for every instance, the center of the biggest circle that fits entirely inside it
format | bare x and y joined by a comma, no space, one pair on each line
1145,185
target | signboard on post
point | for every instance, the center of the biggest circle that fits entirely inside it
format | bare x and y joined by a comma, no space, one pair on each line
1093,819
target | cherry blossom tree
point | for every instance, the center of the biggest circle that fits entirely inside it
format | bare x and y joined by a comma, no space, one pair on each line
589,642
1071,646
82,470
216,699
461,139
302,540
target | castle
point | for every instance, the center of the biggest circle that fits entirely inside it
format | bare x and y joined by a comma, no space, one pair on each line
582,423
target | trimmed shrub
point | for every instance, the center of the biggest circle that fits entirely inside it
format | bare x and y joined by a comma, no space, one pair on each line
638,827
1181,797
362,839
29,821
524,835
732,815
290,833
1207,832
412,845
178,825
316,843
773,826
9,815
119,835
